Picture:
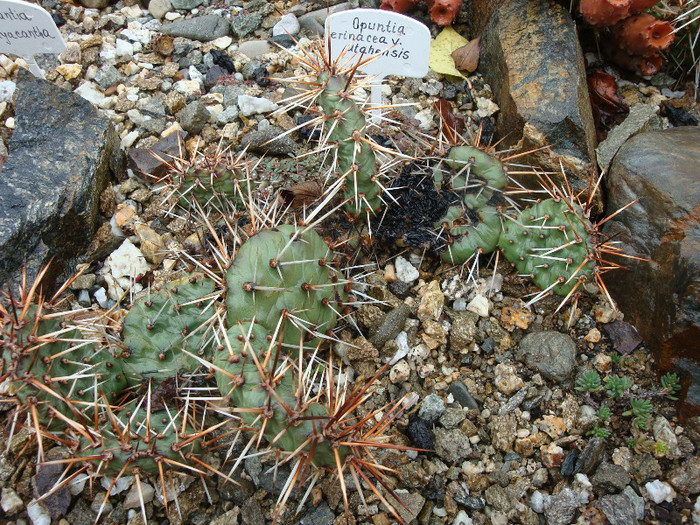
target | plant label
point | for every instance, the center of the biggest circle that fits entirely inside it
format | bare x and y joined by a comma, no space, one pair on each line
27,29
396,43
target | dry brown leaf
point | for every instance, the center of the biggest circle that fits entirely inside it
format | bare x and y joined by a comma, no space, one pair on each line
302,194
467,57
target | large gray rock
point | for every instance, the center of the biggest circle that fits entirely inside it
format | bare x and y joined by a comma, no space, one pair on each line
59,163
551,353
660,296
531,58
203,28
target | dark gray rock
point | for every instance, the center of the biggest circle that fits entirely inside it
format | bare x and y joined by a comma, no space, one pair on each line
553,354
531,58
560,509
321,515
591,456
61,155
203,28
252,513
268,140
243,24
214,73
609,479
194,117
618,509
462,396
660,296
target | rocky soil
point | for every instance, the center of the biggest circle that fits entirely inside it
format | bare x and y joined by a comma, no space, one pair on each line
510,438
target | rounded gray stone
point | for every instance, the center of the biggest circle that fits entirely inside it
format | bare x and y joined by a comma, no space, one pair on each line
551,353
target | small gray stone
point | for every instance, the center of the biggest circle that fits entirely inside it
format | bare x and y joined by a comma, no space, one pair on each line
452,446
321,515
244,24
637,501
194,117
591,456
255,48
618,509
255,105
686,478
609,479
553,354
560,509
268,140
391,326
431,408
214,73
108,76
203,28
186,5
314,21
287,25
462,396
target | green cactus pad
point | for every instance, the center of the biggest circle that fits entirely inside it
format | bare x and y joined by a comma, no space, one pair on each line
476,232
274,276
484,175
356,158
159,327
289,421
137,439
207,185
78,373
550,242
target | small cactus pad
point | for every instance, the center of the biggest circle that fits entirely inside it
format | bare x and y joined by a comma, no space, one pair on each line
474,232
479,175
160,325
48,362
281,275
550,242
207,185
356,159
253,373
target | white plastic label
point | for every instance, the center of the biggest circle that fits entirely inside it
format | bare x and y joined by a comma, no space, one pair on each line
27,29
399,44
404,43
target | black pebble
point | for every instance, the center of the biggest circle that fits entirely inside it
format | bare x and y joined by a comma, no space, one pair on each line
222,59
421,432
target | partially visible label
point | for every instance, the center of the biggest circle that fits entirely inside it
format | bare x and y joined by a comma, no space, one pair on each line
28,29
402,43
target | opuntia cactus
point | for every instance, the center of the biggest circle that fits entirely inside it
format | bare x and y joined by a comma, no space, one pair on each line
286,274
213,185
164,327
551,243
356,159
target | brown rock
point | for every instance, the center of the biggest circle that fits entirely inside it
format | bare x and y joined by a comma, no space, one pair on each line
531,58
660,296
150,164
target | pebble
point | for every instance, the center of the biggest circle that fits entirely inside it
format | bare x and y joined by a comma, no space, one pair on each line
686,478
405,271
400,372
553,354
255,48
431,408
255,105
432,302
485,107
618,509
663,433
139,492
462,518
659,491
127,261
479,305
38,513
506,378
288,24
10,502
158,8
